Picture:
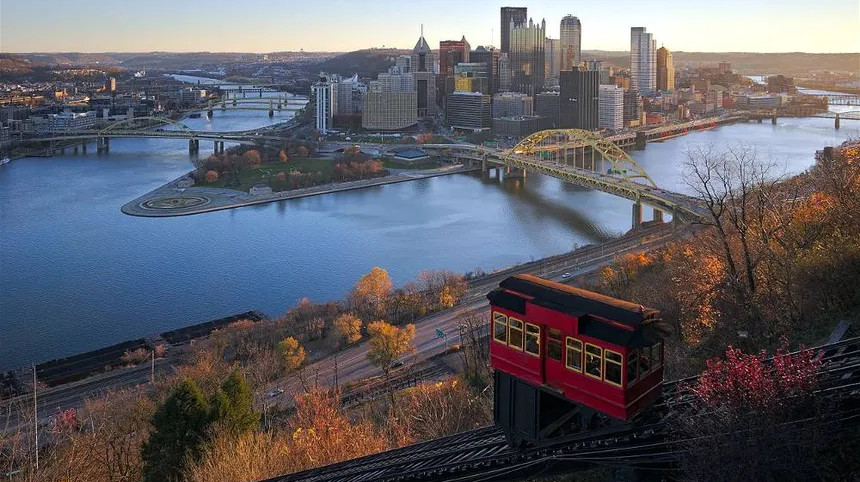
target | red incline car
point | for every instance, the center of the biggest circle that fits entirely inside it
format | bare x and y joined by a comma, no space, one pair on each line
568,360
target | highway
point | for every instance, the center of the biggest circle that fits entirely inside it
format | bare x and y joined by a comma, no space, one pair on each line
352,363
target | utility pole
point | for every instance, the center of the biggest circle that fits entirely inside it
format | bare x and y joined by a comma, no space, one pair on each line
35,418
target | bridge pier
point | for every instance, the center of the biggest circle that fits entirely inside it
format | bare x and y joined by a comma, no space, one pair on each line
640,141
84,147
515,173
103,145
193,146
836,122
773,118
637,214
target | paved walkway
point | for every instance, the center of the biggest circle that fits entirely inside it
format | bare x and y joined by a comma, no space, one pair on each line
171,200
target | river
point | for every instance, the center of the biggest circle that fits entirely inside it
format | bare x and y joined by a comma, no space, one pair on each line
77,274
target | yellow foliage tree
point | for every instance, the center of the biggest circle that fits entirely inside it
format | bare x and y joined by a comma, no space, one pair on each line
346,329
371,292
292,352
283,156
388,343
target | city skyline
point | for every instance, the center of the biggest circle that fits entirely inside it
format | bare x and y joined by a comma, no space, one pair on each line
270,26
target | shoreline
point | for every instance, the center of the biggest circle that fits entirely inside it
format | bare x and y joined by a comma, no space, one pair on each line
218,199
70,369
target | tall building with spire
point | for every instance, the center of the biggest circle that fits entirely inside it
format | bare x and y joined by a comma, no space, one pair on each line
643,61
570,39
665,70
422,69
511,17
528,59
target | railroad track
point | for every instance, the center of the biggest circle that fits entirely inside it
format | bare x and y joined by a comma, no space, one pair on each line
484,454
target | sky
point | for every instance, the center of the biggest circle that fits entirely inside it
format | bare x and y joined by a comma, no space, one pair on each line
345,25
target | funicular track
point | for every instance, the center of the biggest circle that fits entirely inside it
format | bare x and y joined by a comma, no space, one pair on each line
484,454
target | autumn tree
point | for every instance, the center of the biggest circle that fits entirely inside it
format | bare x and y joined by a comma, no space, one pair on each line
178,434
211,176
434,410
387,344
302,152
292,352
283,156
253,158
370,294
346,330
740,421
232,406
475,351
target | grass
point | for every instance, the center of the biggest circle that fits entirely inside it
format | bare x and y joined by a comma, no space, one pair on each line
249,177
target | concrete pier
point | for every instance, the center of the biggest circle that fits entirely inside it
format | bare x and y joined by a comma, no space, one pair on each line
637,214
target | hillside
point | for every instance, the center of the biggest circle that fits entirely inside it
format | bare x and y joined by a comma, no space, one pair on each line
367,63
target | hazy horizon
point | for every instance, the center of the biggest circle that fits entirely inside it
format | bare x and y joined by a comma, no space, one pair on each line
264,26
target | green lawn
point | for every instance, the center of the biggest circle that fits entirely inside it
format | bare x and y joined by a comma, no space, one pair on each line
249,177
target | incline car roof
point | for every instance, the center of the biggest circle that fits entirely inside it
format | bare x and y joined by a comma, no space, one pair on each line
577,301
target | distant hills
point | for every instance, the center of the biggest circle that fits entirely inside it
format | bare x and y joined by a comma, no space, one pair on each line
369,62
748,62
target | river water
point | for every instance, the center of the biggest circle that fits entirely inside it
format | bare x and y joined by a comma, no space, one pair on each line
77,274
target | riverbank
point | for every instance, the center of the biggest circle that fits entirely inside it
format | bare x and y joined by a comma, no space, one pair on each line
173,200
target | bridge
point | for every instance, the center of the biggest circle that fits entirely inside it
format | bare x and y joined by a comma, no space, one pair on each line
561,153
154,128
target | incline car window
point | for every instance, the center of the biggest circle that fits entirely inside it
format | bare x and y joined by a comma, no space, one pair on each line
553,344
532,339
632,360
644,361
593,360
500,327
612,368
574,354
515,334
657,354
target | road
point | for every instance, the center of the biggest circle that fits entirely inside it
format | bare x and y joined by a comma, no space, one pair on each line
352,364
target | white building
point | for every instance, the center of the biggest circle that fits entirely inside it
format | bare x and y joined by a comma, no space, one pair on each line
610,113
326,92
570,42
643,61
66,121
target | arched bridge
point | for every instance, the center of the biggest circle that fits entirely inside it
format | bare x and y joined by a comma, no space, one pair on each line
583,158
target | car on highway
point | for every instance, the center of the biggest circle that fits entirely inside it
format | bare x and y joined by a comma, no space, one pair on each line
275,392
566,275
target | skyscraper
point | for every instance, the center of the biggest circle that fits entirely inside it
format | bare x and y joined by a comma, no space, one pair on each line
511,17
504,72
611,114
451,53
421,66
579,99
570,42
527,57
643,61
325,91
552,52
491,58
665,70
